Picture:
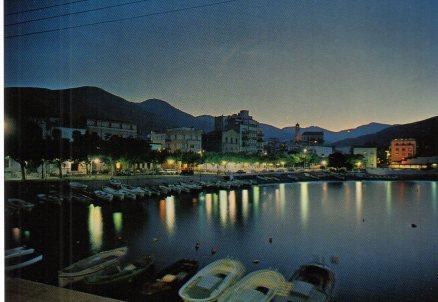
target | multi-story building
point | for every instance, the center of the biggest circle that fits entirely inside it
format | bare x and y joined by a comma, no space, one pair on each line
227,141
184,140
369,156
107,129
53,124
312,137
402,148
157,140
251,136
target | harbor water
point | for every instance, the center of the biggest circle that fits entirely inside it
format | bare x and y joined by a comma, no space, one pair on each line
379,237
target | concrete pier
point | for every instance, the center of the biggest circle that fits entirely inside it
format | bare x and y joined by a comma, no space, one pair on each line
20,290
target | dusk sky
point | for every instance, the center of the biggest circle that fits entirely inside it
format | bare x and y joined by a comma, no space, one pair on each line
335,64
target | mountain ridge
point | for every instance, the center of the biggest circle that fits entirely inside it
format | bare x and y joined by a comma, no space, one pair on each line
75,104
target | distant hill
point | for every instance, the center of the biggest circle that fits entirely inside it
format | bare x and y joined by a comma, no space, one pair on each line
74,105
329,136
425,132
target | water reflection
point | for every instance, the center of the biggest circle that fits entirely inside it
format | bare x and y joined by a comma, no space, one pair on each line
433,191
256,197
167,213
223,206
388,207
304,202
208,205
359,197
95,227
118,222
16,234
245,204
232,206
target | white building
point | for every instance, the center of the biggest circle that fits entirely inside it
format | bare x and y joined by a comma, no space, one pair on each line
106,129
157,140
184,140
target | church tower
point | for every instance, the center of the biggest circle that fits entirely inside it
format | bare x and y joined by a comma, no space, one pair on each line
297,137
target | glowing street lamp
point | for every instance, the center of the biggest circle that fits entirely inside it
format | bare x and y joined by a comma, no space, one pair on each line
324,163
305,151
358,164
170,161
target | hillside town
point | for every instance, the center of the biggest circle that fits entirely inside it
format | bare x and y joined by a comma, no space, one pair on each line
236,145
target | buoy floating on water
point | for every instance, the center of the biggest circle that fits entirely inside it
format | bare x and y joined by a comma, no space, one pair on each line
256,261
413,225
197,246
270,239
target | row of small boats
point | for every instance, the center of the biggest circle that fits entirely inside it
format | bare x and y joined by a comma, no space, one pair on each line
115,190
222,280
107,272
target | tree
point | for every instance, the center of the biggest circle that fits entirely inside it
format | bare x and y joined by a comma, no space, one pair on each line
24,143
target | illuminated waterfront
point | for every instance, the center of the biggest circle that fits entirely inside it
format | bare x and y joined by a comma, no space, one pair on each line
366,224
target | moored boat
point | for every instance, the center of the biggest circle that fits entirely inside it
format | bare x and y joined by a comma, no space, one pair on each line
19,204
128,194
312,282
139,192
81,198
260,286
120,274
89,266
18,251
169,281
103,195
50,198
210,282
21,258
118,194
115,182
77,185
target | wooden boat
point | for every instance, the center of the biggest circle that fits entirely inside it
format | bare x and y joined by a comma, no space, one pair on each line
89,266
210,282
120,274
18,251
312,282
169,281
103,195
261,286
19,204
22,260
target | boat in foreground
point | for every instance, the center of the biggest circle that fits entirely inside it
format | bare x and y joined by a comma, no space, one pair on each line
20,257
312,282
18,251
169,281
210,282
89,266
119,274
260,286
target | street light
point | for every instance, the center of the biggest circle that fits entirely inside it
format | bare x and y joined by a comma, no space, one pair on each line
305,150
324,163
